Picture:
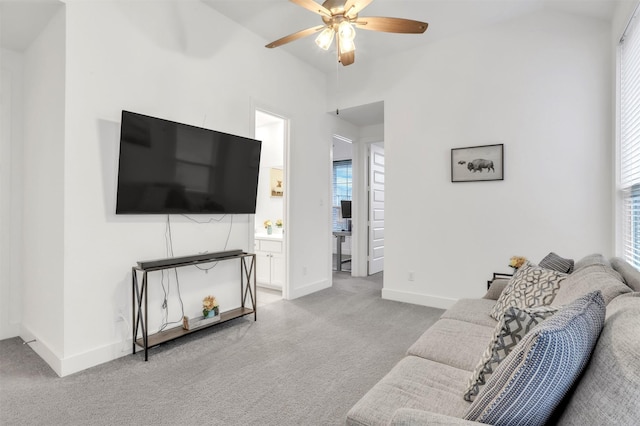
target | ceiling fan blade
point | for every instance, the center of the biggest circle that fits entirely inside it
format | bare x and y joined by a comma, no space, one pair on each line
313,6
391,25
353,7
294,36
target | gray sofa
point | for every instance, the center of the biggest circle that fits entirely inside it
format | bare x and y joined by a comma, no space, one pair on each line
428,384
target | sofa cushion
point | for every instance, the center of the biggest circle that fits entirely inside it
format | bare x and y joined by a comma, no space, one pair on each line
476,311
630,274
557,263
452,342
413,417
592,259
608,390
530,286
528,385
510,330
412,383
591,278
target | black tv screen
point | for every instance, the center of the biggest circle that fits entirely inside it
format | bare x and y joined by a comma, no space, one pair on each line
167,167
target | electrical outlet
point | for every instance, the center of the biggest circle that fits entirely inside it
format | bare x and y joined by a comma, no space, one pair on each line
412,276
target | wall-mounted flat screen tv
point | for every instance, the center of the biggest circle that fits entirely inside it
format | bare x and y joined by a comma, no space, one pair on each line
167,167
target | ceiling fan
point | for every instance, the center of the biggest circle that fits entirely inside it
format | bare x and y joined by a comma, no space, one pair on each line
339,17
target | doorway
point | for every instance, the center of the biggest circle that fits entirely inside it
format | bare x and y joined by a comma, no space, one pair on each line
270,219
341,211
366,244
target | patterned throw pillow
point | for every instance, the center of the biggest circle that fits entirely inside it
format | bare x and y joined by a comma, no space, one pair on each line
530,286
557,263
532,380
510,330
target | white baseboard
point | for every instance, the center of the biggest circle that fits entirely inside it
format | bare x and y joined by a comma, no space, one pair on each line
418,298
43,350
65,366
97,356
270,286
294,293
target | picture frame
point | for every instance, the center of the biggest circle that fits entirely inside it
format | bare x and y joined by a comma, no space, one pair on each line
477,163
276,183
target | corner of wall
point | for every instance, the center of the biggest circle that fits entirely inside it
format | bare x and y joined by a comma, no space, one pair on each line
43,349
295,293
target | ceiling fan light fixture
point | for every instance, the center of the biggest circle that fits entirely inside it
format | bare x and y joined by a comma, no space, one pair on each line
346,31
346,46
325,38
346,34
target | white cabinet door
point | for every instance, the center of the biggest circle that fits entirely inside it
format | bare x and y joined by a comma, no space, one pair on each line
277,270
263,268
270,269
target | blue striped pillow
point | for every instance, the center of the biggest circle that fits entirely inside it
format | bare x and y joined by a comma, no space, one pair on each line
532,380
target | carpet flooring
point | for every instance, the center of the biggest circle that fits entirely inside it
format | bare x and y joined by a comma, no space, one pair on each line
304,362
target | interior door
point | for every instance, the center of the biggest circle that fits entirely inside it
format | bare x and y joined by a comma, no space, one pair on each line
376,209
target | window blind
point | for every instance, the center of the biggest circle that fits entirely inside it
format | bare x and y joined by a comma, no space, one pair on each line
629,148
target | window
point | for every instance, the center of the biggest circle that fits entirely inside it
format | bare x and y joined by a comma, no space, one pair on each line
342,183
629,142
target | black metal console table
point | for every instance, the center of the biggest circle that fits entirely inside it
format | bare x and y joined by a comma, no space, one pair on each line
140,291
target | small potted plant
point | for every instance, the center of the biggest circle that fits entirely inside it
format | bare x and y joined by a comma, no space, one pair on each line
210,307
279,225
268,226
517,261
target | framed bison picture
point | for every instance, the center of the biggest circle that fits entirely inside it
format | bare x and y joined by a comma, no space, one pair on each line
477,163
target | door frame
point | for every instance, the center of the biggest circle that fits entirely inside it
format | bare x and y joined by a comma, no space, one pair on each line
266,109
360,203
379,145
360,240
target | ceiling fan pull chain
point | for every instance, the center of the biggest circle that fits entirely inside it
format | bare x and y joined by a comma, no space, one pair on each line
337,88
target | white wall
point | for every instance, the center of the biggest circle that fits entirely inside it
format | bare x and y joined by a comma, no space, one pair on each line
43,309
11,142
178,61
342,150
272,156
539,84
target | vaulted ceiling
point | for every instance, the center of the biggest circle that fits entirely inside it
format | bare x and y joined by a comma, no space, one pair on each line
273,19
21,21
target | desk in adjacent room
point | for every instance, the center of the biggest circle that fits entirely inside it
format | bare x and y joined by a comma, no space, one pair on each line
340,235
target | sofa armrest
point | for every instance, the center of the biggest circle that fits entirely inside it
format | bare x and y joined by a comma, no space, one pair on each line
497,275
413,417
495,288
